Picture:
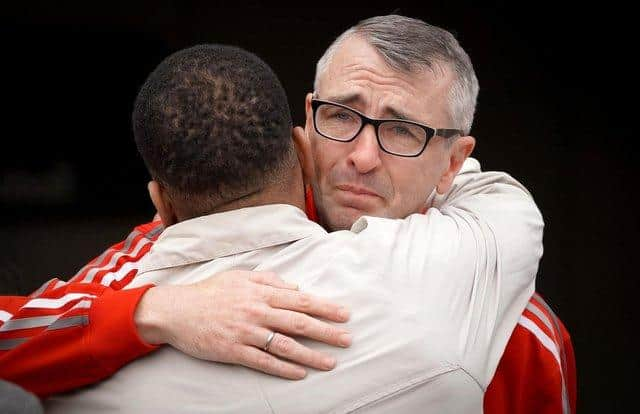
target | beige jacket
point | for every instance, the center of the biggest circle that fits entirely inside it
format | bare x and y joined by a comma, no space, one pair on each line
434,299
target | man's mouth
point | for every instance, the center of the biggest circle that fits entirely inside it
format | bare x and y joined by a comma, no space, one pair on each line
356,197
361,191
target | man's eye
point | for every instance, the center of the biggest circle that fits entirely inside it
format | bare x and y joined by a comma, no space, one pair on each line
402,131
343,116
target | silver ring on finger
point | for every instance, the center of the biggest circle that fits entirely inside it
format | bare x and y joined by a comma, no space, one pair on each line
269,340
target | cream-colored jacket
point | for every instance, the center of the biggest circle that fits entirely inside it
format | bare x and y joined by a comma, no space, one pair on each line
434,299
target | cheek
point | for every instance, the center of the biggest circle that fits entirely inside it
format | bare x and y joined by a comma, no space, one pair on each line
318,162
325,157
412,187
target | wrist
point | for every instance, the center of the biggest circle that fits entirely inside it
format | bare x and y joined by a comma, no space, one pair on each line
147,317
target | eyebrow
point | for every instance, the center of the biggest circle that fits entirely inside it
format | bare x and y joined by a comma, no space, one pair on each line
355,98
345,99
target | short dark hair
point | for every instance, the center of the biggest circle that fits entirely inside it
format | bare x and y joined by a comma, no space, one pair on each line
212,124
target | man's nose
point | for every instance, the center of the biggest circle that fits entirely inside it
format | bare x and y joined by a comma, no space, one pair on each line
365,155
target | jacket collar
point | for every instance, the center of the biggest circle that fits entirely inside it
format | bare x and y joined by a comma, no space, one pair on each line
217,235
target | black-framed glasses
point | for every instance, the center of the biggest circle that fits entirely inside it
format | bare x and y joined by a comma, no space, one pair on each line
395,136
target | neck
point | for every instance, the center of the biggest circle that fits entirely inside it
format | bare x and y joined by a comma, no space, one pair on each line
289,189
286,193
264,197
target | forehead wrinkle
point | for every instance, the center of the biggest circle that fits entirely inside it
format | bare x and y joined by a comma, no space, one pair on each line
365,73
389,104
369,80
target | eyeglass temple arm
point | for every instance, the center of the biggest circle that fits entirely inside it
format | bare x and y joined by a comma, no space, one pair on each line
448,133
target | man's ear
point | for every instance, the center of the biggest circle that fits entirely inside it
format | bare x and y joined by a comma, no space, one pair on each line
308,111
162,203
458,153
303,150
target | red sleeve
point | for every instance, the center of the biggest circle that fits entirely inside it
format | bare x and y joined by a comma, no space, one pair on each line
572,377
66,335
537,371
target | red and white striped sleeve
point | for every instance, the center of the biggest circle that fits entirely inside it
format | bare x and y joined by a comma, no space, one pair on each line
537,372
69,334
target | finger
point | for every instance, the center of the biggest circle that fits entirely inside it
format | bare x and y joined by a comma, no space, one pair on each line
295,323
306,303
271,279
257,359
286,347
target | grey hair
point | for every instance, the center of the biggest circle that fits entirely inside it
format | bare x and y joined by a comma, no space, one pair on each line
411,45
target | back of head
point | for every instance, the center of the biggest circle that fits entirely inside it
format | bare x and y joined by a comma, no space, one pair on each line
212,124
411,45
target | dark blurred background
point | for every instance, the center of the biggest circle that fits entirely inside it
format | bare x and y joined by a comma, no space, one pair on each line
555,111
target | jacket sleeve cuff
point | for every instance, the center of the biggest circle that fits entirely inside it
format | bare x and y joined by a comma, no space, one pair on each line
112,337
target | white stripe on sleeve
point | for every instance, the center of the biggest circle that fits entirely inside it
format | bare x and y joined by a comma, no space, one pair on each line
543,337
92,273
119,274
5,316
55,303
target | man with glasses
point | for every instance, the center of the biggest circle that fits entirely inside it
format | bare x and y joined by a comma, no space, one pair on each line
395,164
392,108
